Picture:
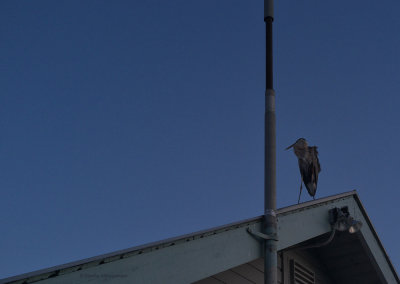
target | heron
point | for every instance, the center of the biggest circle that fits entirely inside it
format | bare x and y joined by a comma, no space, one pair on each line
308,164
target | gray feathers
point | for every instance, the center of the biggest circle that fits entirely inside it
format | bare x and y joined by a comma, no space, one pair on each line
308,164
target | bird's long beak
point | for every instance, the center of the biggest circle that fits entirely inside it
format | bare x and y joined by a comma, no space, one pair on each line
290,146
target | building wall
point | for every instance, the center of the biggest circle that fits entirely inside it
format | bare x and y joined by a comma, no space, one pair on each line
248,273
307,262
253,272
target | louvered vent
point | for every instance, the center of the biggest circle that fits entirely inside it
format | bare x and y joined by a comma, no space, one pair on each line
300,275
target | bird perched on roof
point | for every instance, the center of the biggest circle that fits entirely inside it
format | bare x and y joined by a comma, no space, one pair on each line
308,164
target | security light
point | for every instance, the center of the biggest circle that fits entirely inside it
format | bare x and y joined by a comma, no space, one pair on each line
355,227
340,220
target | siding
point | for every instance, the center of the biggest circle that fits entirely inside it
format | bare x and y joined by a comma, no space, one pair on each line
248,273
308,260
253,272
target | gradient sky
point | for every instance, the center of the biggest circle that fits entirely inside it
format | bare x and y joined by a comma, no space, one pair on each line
127,122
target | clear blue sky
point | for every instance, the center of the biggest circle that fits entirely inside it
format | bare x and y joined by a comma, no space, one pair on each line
126,122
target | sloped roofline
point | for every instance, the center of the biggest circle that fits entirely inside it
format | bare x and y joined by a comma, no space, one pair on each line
120,254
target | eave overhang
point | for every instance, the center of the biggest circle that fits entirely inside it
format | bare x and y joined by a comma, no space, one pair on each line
192,257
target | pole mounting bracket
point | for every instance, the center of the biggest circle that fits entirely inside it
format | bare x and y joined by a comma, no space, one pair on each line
262,236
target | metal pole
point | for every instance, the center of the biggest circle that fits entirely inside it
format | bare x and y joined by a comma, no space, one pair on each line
270,223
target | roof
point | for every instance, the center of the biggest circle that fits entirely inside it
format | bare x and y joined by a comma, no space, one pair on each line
204,253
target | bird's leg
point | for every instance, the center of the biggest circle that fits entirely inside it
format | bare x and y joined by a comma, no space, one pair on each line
301,187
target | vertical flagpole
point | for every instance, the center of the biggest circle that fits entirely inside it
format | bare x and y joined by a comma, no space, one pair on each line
270,223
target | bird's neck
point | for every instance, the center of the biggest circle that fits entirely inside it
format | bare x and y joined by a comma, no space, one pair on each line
301,152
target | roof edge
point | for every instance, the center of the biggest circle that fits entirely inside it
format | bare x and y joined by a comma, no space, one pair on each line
371,226
102,258
124,253
316,201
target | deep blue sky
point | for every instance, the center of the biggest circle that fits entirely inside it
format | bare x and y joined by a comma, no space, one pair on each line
126,122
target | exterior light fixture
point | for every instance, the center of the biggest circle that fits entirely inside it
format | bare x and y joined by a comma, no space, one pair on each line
340,220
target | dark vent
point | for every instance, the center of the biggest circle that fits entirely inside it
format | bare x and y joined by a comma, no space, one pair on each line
300,275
